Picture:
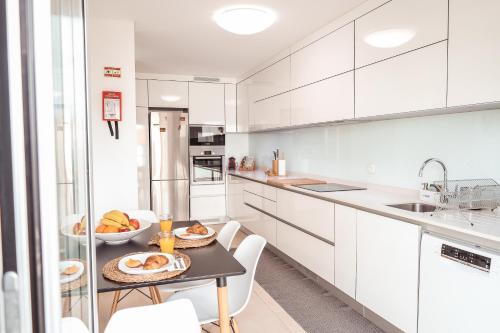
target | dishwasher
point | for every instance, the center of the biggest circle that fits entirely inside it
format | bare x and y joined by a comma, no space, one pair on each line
459,287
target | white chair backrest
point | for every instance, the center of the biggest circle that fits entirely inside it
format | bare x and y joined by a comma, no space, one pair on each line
143,214
240,287
73,325
175,316
227,233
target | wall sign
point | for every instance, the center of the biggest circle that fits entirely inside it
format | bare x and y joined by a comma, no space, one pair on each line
112,72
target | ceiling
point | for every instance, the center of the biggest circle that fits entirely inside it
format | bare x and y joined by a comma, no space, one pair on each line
180,37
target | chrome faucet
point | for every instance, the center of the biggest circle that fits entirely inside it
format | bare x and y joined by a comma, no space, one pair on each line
445,172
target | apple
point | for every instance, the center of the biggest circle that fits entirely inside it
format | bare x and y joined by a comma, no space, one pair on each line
126,215
76,228
135,223
124,229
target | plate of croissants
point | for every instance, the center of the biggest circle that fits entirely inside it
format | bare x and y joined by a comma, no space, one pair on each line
146,263
70,270
196,231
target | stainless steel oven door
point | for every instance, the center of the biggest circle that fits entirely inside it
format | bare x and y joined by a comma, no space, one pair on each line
207,170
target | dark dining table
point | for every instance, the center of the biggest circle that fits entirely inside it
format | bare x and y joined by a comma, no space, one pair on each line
209,262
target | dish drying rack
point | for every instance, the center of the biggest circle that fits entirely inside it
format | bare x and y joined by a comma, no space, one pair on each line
468,194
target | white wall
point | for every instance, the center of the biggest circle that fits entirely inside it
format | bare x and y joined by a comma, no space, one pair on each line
236,145
114,162
468,143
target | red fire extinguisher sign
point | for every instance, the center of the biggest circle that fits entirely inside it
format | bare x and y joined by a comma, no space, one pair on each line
111,106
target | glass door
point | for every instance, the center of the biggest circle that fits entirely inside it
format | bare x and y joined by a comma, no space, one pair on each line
46,242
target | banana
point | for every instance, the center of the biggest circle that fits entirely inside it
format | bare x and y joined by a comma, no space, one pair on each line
131,227
117,216
109,222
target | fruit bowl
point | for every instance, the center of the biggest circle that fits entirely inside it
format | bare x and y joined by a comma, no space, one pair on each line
68,225
117,238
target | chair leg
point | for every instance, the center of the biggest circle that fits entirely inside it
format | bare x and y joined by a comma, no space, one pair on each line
116,299
234,326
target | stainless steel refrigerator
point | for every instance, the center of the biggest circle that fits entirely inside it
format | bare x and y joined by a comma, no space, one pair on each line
169,160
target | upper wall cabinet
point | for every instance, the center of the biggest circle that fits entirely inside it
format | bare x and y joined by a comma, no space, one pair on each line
400,26
411,82
474,52
328,100
206,103
169,94
230,107
326,57
271,81
272,112
141,93
242,106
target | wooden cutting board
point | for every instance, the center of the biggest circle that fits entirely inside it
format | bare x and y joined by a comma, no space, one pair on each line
293,181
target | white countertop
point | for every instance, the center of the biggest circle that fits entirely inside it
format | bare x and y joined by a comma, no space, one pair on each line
480,227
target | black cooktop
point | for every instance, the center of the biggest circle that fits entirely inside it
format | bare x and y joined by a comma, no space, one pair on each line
331,187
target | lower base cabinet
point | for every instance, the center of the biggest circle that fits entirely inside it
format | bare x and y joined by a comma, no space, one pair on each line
263,225
208,207
387,268
309,251
345,249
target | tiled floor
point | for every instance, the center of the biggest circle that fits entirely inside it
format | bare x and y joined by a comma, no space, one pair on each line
262,314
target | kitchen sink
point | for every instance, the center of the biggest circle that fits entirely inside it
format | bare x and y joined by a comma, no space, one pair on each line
415,207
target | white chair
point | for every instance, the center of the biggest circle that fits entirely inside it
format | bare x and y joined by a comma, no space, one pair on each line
239,287
143,214
225,238
73,325
178,316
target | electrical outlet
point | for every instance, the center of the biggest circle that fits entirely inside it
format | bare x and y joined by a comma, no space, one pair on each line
372,169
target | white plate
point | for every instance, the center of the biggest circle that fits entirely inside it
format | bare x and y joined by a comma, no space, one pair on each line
123,237
142,258
69,278
183,234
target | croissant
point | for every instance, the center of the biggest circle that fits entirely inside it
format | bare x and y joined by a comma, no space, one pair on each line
197,229
155,262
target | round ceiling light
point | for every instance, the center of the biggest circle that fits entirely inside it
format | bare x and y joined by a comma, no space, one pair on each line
389,38
244,20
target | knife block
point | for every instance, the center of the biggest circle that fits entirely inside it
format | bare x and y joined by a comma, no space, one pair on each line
275,167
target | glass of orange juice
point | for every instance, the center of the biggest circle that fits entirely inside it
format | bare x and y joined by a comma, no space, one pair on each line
167,242
165,222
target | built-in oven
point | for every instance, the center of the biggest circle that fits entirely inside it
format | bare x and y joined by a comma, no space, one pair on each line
207,165
206,136
207,169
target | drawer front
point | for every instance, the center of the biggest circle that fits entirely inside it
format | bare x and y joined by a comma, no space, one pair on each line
208,207
263,225
259,202
310,252
314,215
208,190
262,190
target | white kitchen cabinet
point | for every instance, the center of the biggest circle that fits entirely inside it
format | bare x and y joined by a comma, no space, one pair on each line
387,268
263,224
230,107
242,106
206,103
309,251
271,81
345,249
262,190
141,93
311,214
419,23
208,207
234,200
474,52
410,82
168,94
272,112
328,100
331,55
